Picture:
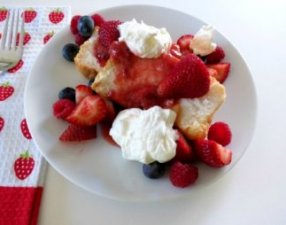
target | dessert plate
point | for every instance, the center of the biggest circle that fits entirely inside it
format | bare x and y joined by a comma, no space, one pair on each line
98,166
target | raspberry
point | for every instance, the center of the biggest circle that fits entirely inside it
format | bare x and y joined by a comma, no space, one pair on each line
108,32
63,108
216,56
79,40
220,132
183,174
73,24
97,19
189,79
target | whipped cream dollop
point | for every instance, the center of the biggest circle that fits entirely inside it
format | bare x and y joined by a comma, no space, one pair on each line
143,40
202,42
145,135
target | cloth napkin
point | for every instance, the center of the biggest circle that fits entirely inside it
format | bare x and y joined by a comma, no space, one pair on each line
22,168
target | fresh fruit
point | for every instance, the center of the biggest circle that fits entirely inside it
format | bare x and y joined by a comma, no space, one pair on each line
81,91
222,70
67,93
56,16
97,19
183,174
91,110
79,40
105,128
212,153
184,152
25,129
154,170
184,43
27,38
85,26
24,165
2,123
90,82
29,15
216,56
108,32
15,68
6,90
63,108
220,132
3,13
110,113
175,51
78,133
48,36
189,79
73,24
69,51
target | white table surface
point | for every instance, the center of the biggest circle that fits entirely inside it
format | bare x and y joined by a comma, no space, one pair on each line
254,192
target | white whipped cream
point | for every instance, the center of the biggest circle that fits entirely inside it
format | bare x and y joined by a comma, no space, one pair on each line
145,135
143,40
202,42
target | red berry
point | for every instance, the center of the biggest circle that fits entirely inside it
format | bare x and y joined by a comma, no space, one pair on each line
216,56
220,132
212,153
108,32
184,152
184,42
91,110
79,40
222,71
97,19
78,133
189,79
183,174
63,108
81,91
73,24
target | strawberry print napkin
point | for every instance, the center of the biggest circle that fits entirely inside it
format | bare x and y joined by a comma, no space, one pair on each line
22,168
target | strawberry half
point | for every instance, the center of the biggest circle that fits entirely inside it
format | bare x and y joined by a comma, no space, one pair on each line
189,79
212,153
222,71
216,56
81,91
184,151
91,110
78,133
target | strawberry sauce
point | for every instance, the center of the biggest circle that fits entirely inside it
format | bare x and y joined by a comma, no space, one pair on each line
137,78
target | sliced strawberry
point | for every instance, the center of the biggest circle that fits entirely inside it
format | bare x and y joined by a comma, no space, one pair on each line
91,110
78,133
81,91
222,70
212,72
184,152
175,50
184,42
189,79
212,153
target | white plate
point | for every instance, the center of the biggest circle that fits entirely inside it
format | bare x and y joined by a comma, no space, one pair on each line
98,166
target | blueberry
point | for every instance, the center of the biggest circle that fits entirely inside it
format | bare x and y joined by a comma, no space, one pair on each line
67,93
154,170
85,26
90,82
69,51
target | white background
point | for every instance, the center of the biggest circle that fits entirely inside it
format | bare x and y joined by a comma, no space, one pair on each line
254,192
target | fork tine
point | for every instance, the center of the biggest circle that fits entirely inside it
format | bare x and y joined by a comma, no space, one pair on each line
4,37
11,30
14,40
21,33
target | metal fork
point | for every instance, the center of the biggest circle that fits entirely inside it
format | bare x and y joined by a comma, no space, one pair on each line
11,47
